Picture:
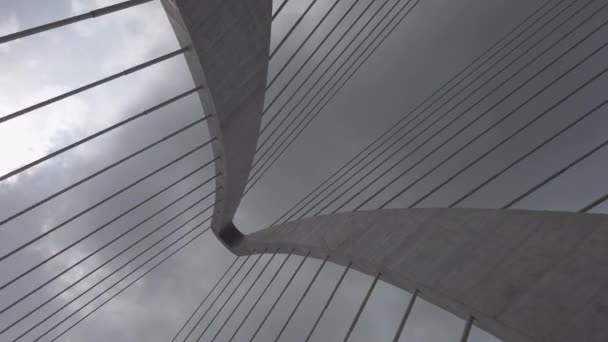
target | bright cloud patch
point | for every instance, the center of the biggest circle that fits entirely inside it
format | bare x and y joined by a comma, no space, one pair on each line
8,25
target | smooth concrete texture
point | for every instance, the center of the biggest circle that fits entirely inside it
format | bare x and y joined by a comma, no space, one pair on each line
229,44
523,275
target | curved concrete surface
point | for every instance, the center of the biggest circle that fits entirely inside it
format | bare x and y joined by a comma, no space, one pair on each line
523,275
229,44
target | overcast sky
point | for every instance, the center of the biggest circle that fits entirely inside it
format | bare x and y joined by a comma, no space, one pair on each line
438,39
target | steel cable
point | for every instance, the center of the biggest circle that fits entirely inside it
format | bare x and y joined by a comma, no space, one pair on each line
101,248
274,276
276,13
97,134
456,117
559,173
328,301
110,275
361,307
467,329
92,85
238,286
284,145
105,225
266,108
340,54
205,298
404,145
124,250
71,20
276,301
402,136
228,283
292,29
301,299
106,199
395,125
594,204
128,285
528,154
444,143
302,125
297,50
514,111
406,315
238,304
107,168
